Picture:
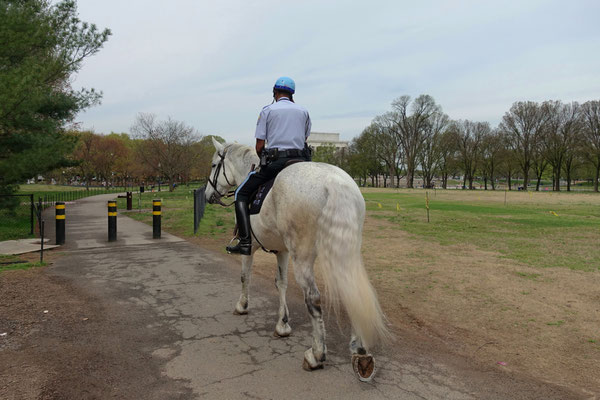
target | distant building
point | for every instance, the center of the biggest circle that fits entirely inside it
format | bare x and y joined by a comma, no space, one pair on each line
317,139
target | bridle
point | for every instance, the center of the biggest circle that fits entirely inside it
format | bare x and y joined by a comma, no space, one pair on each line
213,182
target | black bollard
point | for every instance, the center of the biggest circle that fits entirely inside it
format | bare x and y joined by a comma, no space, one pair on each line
129,201
112,221
156,215
60,222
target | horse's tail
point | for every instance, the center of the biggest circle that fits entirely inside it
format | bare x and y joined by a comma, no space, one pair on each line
339,244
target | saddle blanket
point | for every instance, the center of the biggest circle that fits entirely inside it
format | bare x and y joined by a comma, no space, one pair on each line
257,200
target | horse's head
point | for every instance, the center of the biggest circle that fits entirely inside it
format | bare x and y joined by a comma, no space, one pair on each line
219,182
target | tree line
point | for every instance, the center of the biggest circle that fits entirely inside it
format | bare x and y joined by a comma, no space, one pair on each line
534,141
167,151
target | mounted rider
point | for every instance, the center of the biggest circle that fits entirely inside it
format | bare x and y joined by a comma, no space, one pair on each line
281,133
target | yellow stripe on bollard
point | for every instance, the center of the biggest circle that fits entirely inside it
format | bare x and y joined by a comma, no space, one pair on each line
155,212
112,214
60,207
60,216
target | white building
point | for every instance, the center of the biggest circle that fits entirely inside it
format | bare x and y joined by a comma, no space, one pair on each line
317,139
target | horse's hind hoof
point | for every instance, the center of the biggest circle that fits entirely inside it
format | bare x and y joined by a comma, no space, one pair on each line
364,367
281,335
282,331
306,366
310,363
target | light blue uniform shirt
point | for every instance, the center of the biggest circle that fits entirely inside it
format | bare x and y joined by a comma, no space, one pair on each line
283,125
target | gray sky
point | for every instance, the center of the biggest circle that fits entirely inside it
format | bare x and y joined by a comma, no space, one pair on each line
212,64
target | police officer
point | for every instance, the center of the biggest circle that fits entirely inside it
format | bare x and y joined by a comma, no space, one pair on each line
281,133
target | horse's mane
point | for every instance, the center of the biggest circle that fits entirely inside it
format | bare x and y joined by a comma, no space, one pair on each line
241,152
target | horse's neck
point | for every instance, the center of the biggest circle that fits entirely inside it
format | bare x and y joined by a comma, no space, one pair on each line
243,163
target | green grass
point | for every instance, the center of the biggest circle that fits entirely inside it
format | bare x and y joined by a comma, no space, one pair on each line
16,223
526,231
11,263
43,188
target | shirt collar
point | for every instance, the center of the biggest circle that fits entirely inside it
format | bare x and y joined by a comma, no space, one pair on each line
284,98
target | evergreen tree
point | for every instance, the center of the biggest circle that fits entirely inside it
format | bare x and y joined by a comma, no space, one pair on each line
42,45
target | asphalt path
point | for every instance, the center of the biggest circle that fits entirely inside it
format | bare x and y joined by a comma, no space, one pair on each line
187,295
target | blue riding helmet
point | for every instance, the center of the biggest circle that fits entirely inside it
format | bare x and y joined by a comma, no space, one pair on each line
286,84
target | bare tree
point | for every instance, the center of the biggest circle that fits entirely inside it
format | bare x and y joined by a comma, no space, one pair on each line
447,161
524,123
469,136
390,151
560,135
591,136
167,146
492,148
431,152
410,122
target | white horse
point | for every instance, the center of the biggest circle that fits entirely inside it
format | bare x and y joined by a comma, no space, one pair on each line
313,210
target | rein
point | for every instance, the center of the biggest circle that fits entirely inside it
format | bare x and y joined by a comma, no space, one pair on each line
213,182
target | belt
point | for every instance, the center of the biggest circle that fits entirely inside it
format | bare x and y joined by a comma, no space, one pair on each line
287,153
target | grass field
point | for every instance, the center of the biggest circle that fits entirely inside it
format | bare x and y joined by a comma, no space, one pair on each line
537,228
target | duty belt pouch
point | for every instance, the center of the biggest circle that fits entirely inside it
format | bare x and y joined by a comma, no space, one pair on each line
263,159
273,155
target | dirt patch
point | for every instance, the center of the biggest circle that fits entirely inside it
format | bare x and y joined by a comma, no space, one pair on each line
63,344
538,322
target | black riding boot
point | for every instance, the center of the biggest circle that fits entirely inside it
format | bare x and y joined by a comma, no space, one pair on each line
242,216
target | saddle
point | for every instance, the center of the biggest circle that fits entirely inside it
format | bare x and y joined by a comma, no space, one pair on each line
257,199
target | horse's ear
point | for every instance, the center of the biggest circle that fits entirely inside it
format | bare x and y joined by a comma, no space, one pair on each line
218,146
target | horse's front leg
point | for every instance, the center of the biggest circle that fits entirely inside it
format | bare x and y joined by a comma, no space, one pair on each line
281,282
241,307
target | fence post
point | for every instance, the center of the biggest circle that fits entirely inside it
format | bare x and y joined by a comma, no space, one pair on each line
60,222
129,201
112,220
32,208
156,215
195,213
42,224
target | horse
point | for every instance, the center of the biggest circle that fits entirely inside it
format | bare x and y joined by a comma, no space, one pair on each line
313,210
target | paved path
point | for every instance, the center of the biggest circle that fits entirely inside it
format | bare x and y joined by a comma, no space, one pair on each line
189,293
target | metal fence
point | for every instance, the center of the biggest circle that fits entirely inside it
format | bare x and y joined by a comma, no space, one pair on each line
19,212
199,205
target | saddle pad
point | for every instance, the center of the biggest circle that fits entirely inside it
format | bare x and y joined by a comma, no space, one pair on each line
257,199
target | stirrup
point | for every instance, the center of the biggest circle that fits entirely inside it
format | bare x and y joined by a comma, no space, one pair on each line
239,248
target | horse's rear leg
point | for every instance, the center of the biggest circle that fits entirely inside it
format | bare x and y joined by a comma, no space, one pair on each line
316,355
281,282
242,305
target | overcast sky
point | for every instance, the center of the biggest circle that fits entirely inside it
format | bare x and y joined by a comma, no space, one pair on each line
212,64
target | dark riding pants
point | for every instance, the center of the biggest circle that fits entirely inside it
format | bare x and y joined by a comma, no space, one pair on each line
265,174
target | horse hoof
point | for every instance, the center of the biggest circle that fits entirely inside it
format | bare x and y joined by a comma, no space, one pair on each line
238,312
282,332
310,363
364,367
